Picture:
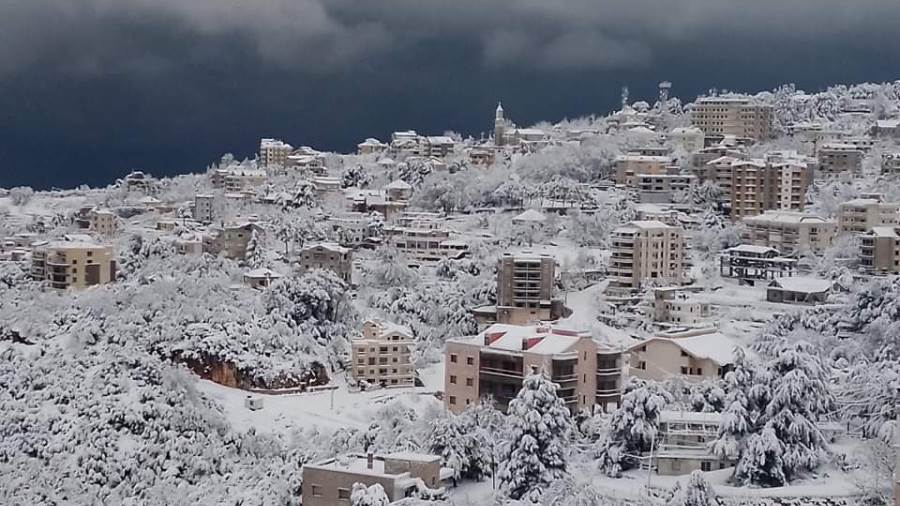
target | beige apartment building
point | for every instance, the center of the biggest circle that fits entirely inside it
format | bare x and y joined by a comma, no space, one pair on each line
693,356
381,356
861,215
328,256
789,232
103,222
495,362
330,482
759,185
204,208
674,305
73,265
274,153
525,287
627,166
661,188
839,158
880,250
646,252
735,116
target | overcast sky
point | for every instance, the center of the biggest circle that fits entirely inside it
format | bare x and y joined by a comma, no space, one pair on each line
90,89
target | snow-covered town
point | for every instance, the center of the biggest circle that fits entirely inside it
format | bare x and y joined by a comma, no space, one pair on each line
686,301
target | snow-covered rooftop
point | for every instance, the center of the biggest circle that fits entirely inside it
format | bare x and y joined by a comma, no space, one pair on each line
530,216
802,284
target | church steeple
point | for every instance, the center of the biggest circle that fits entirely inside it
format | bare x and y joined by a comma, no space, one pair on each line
499,125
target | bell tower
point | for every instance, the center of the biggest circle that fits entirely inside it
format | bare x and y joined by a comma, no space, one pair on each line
499,125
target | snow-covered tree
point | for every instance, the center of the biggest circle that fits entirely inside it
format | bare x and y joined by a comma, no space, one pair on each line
450,440
633,426
368,496
761,462
539,427
697,492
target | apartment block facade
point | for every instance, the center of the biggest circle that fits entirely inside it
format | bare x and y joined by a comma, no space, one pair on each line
73,265
495,362
382,355
861,215
840,158
646,252
328,256
739,117
103,222
274,153
330,482
880,250
524,287
789,232
759,185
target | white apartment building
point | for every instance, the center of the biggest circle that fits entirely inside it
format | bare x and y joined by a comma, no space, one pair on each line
696,355
861,215
646,252
675,306
382,355
684,443
737,116
789,232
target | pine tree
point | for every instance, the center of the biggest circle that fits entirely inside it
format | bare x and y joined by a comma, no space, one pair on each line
368,496
539,428
761,462
450,440
633,426
698,492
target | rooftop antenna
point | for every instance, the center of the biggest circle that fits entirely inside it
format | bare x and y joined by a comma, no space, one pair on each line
624,97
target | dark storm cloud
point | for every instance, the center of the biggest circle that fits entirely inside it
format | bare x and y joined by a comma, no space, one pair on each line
92,88
327,35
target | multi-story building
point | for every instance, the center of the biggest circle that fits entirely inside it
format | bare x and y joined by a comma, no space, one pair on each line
735,116
232,240
661,188
494,363
890,163
880,250
354,230
646,252
789,232
371,146
439,146
673,305
307,159
139,182
204,206
330,482
103,222
328,256
629,165
838,158
861,215
425,245
238,180
698,355
751,263
73,265
274,153
684,439
887,128
398,191
759,185
261,278
525,287
381,356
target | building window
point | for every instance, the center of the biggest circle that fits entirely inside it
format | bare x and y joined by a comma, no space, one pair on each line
453,358
684,370
453,400
343,493
705,466
317,491
470,382
470,361
452,380
642,365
